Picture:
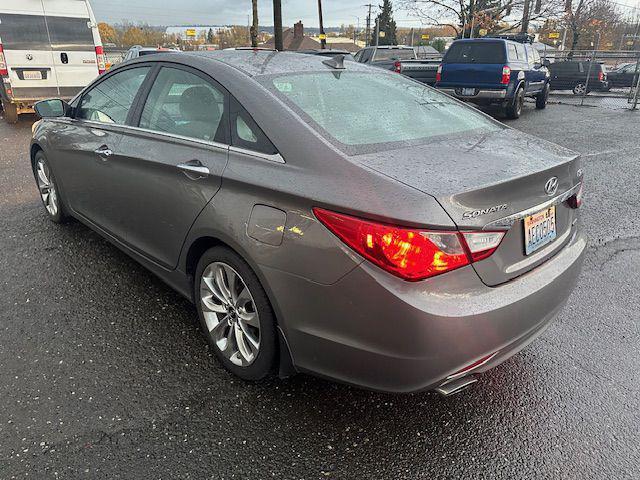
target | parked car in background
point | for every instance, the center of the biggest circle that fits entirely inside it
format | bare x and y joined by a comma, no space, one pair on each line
622,76
572,75
329,53
398,245
494,71
400,59
47,49
140,51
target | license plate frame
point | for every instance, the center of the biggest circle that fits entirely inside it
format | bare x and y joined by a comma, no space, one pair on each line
32,74
540,229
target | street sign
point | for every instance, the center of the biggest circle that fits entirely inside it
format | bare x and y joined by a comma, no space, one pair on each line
425,36
191,32
482,32
554,35
322,36
382,34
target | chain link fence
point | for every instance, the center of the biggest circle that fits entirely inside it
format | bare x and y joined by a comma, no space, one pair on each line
607,79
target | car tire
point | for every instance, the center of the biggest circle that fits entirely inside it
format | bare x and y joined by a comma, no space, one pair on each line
514,109
235,314
580,88
542,97
10,112
48,189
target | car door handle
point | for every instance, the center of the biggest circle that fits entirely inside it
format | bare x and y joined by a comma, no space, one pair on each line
104,152
193,169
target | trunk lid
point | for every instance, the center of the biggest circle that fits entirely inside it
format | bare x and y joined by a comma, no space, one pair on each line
471,75
481,179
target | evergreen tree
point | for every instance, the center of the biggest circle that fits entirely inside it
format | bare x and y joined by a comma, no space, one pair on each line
386,24
210,37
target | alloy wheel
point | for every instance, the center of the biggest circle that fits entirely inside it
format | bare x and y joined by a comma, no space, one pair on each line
580,89
47,188
230,313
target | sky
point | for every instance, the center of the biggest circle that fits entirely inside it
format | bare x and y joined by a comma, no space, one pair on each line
234,12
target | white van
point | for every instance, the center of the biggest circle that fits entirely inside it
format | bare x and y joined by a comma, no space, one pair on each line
48,48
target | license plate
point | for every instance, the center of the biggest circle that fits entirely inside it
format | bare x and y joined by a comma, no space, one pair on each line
32,75
468,92
539,229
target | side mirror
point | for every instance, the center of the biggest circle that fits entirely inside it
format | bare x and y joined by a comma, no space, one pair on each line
51,108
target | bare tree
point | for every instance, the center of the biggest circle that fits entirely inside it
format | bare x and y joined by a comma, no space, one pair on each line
468,16
585,17
254,24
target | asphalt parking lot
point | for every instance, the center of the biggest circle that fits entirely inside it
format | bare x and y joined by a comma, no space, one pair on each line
103,373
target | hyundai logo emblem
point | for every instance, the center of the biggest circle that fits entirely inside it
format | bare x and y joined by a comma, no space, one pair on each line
551,186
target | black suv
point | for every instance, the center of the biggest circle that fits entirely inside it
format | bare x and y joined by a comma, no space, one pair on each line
572,75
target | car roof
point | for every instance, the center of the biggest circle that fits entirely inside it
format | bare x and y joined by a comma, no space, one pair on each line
254,63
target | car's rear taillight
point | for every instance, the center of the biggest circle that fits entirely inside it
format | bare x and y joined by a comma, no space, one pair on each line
601,76
575,201
411,254
102,67
439,73
397,66
506,75
3,63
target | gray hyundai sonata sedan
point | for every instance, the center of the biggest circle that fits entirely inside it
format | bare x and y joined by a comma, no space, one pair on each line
324,216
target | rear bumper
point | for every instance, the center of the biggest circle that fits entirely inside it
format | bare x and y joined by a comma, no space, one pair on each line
375,331
484,94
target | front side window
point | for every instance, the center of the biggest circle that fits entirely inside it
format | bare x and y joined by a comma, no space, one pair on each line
367,111
185,104
111,99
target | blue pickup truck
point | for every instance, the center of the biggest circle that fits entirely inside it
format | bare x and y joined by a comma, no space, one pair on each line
494,71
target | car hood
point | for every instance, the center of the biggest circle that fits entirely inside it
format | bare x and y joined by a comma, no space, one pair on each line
504,168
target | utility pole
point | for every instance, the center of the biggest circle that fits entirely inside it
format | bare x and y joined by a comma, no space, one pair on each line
277,24
254,26
377,30
526,13
323,40
367,38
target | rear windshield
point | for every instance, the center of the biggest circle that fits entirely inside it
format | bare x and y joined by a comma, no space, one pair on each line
29,32
23,32
475,52
394,54
68,33
363,112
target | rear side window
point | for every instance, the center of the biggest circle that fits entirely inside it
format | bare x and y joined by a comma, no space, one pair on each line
476,52
513,55
185,104
23,32
394,54
68,33
246,134
111,99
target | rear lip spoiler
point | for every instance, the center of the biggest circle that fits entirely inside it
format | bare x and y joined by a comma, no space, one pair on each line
507,222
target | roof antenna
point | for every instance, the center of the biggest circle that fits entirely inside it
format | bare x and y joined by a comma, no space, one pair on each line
336,62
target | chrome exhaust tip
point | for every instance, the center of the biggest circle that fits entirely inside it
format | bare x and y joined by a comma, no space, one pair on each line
454,386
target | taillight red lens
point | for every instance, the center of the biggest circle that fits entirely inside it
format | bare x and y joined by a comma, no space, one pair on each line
3,63
575,201
102,67
408,253
601,76
506,75
439,73
397,66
